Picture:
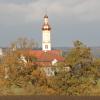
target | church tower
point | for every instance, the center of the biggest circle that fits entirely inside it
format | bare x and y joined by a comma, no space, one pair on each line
46,29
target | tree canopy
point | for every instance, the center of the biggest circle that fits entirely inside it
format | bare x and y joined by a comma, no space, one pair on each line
83,78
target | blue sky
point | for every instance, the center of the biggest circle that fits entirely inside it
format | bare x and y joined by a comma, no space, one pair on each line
70,20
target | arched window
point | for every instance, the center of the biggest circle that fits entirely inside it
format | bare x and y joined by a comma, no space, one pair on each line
46,46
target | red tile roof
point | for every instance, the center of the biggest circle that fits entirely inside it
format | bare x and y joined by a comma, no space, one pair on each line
47,56
44,58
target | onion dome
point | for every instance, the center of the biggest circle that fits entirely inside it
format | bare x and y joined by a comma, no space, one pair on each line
46,25
46,16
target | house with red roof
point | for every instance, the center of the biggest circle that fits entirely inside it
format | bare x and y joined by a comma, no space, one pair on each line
47,58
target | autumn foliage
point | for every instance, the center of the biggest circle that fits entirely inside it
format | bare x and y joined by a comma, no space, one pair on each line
20,78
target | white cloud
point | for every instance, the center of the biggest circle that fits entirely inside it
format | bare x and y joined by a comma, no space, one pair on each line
83,10
70,12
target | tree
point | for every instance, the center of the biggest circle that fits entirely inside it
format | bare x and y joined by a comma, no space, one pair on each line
23,43
82,77
80,54
16,70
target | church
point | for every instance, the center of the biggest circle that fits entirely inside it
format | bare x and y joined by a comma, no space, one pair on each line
47,56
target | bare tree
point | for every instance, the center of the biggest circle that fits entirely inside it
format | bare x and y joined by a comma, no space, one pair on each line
23,43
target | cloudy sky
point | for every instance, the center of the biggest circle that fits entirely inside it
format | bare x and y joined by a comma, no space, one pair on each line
70,20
